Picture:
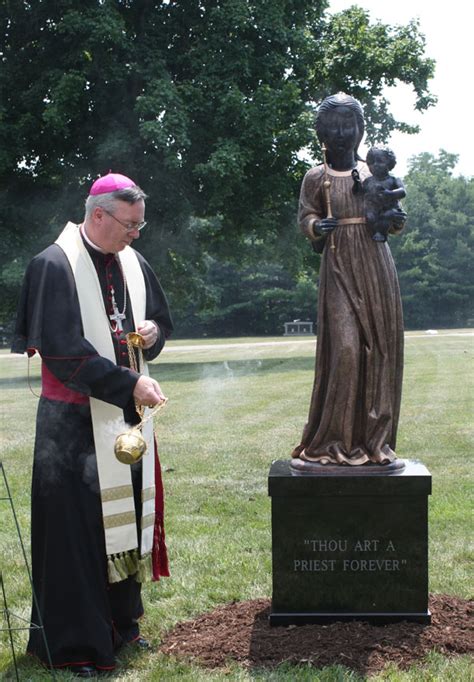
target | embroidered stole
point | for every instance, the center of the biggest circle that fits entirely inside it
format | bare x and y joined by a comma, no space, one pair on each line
118,509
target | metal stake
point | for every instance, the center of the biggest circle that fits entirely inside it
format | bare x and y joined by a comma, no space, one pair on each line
31,626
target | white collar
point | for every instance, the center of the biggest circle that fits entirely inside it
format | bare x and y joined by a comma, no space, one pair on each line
91,243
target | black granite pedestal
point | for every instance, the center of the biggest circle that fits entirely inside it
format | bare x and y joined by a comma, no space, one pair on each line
349,547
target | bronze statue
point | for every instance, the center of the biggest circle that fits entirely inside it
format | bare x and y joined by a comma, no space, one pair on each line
355,404
382,193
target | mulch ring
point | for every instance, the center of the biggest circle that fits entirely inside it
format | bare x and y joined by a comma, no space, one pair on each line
240,632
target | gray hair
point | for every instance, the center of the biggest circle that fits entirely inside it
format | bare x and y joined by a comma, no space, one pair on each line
108,200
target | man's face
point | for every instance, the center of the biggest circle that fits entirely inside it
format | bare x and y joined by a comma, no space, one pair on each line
112,233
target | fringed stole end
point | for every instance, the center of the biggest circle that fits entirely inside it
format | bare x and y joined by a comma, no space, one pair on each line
160,553
121,566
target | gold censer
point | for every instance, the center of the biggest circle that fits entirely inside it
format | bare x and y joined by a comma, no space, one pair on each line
130,446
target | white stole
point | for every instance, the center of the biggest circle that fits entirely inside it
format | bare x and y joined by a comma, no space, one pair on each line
115,480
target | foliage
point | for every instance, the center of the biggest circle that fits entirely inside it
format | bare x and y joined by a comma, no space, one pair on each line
434,258
247,298
207,104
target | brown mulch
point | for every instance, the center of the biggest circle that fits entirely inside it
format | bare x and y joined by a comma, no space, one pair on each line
240,632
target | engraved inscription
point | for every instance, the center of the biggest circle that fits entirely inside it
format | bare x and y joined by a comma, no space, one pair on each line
354,562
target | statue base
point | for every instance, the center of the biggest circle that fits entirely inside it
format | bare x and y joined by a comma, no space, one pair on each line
348,544
301,467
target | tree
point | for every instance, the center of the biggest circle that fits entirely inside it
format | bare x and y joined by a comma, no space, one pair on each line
207,103
249,301
434,259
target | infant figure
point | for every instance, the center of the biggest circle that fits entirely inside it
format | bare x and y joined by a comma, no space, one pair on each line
382,194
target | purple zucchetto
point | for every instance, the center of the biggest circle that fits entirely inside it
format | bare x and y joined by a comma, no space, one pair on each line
112,182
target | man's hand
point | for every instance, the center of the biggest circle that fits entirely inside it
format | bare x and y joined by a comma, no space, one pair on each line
149,331
148,392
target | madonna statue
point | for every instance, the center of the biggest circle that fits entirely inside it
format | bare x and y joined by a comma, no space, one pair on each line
355,403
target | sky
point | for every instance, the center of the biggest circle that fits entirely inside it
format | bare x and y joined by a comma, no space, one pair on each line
449,125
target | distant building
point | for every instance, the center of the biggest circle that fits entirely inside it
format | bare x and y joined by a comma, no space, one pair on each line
298,328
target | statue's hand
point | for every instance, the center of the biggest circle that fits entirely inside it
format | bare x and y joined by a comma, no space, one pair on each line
398,217
326,225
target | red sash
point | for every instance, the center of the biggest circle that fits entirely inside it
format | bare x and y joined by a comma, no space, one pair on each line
53,389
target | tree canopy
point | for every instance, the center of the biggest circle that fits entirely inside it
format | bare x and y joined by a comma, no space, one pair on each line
208,104
434,258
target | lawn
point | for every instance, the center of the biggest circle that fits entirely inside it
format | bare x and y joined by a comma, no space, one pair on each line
235,406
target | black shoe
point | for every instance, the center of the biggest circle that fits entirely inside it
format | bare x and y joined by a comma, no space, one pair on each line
83,670
142,643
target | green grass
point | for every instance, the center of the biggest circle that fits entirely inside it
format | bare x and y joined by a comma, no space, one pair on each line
235,406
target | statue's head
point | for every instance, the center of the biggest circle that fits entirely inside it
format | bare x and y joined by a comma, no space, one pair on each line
381,155
339,121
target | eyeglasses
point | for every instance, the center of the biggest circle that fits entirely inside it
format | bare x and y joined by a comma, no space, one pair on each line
128,226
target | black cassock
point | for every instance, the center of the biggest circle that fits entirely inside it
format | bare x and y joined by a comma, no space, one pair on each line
85,617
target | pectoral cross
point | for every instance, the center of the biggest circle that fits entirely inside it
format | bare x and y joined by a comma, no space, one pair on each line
116,316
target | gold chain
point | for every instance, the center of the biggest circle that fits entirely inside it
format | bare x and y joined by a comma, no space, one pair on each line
135,341
37,395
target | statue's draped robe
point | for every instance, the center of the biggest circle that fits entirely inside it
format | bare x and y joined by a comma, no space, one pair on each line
355,402
85,617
